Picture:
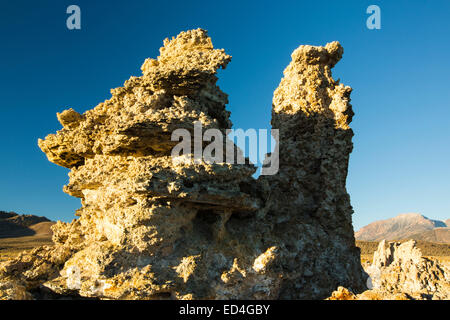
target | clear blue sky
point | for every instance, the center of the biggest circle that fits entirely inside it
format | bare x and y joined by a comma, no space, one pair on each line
399,74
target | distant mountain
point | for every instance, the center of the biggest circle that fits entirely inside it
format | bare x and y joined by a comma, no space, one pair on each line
15,225
406,226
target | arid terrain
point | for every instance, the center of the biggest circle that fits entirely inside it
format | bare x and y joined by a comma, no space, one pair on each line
11,247
432,236
22,232
433,250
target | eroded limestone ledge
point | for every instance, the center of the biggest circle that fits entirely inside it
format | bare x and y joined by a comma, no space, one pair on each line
152,229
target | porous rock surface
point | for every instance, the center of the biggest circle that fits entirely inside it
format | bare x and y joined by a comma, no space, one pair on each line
154,228
400,272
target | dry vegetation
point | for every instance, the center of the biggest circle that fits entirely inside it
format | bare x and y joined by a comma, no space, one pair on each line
11,247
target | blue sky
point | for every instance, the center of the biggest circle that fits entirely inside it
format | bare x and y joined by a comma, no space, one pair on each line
399,76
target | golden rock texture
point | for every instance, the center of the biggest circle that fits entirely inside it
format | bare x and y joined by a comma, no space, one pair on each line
400,272
342,294
10,290
150,228
401,268
309,206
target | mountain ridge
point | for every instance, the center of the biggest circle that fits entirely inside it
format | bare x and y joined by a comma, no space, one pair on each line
406,226
14,225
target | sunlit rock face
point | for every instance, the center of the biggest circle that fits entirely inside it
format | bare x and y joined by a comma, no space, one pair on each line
152,228
401,268
309,204
400,272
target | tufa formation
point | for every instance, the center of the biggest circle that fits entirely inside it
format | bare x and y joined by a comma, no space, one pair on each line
154,228
400,272
309,209
400,268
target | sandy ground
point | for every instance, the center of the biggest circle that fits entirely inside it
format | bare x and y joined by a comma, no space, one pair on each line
11,247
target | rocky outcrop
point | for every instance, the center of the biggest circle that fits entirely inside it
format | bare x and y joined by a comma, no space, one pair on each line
10,290
400,267
400,272
153,226
309,205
